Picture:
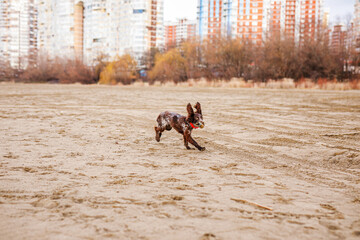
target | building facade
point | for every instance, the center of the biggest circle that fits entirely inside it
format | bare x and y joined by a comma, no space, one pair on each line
88,29
252,20
59,27
232,18
311,16
292,19
276,15
255,20
356,30
18,31
180,31
117,27
338,37
210,18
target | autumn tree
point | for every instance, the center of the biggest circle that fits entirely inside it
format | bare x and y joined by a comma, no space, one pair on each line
277,58
44,71
100,64
169,66
58,70
122,70
236,57
6,71
191,51
76,71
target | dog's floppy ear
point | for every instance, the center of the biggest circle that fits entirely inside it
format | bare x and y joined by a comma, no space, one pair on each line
198,108
190,111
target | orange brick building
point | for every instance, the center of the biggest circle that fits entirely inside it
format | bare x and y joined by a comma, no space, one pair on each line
255,20
250,20
310,19
357,25
337,38
275,17
175,33
291,18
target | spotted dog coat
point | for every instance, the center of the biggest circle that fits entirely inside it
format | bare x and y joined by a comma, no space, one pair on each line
183,125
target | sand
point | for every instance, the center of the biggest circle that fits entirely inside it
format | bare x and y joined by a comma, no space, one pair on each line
81,162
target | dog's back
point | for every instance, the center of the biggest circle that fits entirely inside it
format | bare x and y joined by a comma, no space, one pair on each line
168,120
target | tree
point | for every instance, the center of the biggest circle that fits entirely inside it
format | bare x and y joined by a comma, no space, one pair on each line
191,51
276,59
100,64
6,71
122,70
169,66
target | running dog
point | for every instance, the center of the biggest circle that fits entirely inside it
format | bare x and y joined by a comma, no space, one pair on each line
183,125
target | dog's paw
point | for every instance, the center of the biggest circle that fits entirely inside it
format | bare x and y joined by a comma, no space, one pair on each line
202,149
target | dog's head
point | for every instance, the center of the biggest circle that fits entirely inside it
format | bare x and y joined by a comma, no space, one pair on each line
195,118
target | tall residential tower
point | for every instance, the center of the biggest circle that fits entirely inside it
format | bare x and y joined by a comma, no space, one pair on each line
256,20
60,28
177,32
18,31
357,24
116,27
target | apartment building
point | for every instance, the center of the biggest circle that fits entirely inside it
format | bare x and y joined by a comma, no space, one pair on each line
338,37
116,27
87,29
177,32
292,19
252,20
276,14
233,18
79,30
45,28
18,30
256,20
59,27
357,24
311,15
210,18
170,35
99,27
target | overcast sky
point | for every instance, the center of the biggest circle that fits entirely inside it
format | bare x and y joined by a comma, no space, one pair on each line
175,9
339,9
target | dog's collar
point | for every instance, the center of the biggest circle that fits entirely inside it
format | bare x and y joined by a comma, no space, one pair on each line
192,125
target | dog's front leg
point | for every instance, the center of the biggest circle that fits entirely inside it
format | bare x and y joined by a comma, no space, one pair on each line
189,139
186,143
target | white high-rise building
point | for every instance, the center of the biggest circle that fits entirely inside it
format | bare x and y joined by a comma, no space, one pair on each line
96,30
84,29
357,24
18,26
58,29
116,27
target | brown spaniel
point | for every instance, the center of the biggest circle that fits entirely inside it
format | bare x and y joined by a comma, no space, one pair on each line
184,125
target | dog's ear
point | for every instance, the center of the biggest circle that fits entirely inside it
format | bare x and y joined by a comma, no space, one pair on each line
190,111
198,108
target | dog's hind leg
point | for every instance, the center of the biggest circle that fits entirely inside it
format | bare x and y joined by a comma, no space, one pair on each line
163,124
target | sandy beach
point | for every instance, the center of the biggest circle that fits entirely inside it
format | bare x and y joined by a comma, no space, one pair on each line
81,162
